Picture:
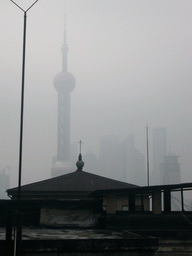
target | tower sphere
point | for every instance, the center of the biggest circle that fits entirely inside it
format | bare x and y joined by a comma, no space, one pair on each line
64,82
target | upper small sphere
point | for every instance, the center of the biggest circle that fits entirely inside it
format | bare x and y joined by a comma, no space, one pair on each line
64,81
80,163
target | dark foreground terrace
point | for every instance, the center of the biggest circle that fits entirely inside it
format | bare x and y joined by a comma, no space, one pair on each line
57,242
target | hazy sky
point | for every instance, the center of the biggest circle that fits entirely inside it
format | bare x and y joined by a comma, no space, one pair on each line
132,63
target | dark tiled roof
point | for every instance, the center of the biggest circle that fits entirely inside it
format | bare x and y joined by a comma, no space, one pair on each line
78,181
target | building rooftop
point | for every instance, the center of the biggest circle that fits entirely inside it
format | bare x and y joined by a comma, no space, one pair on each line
79,181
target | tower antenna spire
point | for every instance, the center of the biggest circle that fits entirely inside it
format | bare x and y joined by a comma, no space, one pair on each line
64,48
65,39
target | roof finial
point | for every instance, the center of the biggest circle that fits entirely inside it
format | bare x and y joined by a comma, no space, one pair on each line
80,163
80,142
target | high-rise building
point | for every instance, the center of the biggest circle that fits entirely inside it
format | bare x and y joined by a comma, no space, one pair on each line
91,162
64,83
170,170
159,151
110,163
170,174
134,163
121,160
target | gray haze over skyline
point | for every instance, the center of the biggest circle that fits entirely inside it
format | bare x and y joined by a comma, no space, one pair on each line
132,64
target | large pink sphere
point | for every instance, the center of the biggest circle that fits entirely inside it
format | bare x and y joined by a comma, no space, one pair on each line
64,82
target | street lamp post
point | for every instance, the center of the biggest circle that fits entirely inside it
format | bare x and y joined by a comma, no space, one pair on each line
18,233
22,93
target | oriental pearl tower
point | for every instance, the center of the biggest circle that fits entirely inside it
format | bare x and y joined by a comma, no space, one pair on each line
64,83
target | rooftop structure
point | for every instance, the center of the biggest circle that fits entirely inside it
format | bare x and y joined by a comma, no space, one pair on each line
75,184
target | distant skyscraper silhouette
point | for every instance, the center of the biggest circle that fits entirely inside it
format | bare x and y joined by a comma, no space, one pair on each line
159,151
64,83
170,169
110,164
121,160
134,163
170,174
91,162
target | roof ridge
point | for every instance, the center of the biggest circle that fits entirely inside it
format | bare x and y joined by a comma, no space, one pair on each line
109,179
64,177
43,181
